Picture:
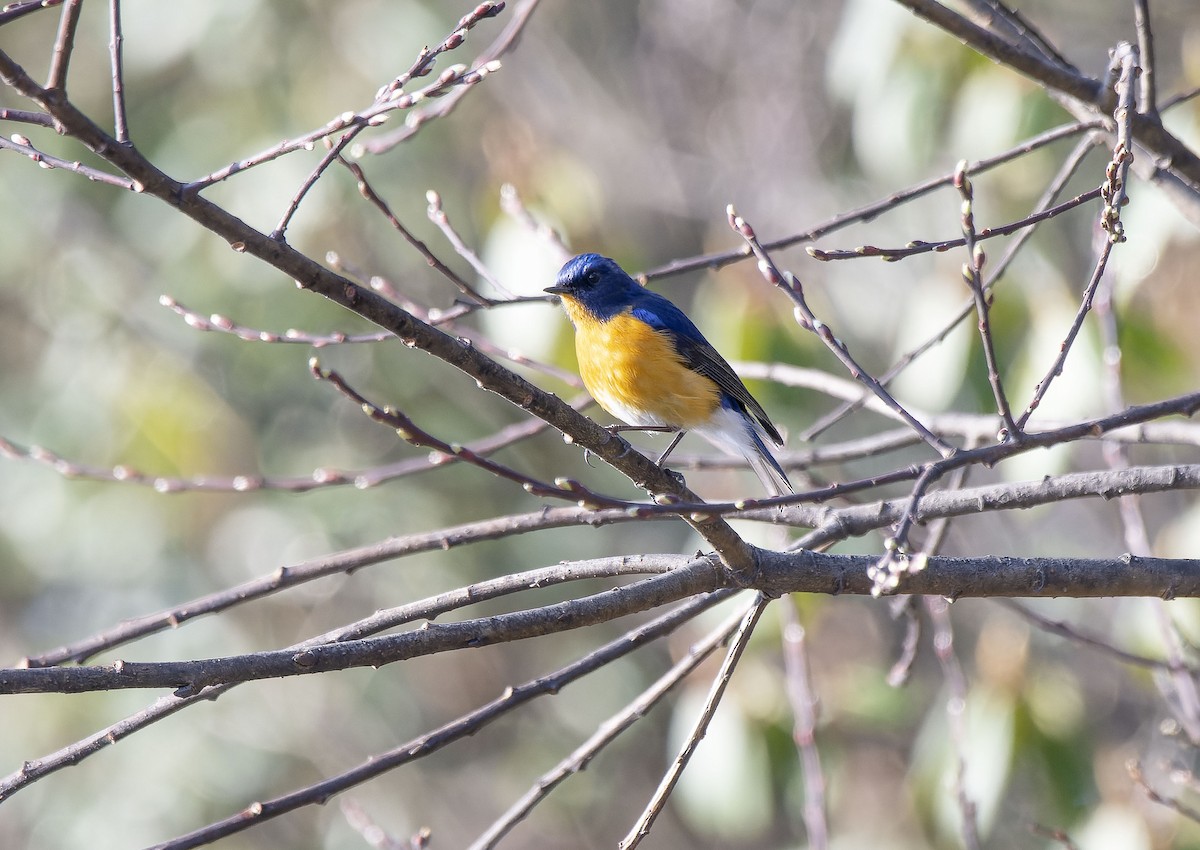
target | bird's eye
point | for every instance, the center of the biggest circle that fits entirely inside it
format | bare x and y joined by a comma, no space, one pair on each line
593,277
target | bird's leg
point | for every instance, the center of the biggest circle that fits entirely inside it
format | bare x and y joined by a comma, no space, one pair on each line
679,432
678,476
616,429
674,442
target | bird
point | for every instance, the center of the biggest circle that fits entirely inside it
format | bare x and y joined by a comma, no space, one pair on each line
645,362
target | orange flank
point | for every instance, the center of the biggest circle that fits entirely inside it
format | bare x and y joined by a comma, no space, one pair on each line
635,373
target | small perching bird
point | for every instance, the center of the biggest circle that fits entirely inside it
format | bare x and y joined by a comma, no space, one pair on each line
645,363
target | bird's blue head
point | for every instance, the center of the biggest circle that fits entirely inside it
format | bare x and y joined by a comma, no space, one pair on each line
597,284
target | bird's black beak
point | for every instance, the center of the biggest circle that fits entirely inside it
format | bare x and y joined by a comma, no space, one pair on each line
557,289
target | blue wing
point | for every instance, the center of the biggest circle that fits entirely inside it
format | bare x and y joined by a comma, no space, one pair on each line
698,354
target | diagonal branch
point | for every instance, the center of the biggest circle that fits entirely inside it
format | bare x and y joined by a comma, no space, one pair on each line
1148,130
457,729
654,808
606,734
415,333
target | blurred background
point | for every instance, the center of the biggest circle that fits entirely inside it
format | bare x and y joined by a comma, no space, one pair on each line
628,128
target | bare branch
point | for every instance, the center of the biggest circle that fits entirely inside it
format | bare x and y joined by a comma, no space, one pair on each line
418,118
972,272
738,645
365,189
1148,96
64,44
249,482
607,733
40,119
914,248
115,44
20,8
869,211
1065,172
22,145
1110,220
808,320
956,707
437,214
1147,129
805,706
380,621
779,572
430,742
1073,634
349,560
1135,773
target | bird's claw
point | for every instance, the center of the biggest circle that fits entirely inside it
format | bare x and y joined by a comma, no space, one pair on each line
677,476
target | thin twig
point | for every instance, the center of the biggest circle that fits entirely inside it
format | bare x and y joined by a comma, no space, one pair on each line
805,707
218,323
1148,99
905,608
455,75
1055,835
388,99
20,144
375,835
372,116
1135,773
947,424
322,477
20,8
115,46
606,734
972,272
956,707
333,151
405,428
64,46
437,214
915,248
418,118
1065,172
514,207
457,729
41,119
654,807
1073,634
807,319
868,211
37,769
896,561
365,189
1114,195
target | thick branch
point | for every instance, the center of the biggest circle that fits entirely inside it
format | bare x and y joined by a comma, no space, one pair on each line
779,573
1147,128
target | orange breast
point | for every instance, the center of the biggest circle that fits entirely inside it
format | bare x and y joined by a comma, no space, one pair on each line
635,373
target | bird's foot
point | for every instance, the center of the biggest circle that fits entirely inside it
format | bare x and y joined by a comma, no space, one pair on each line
676,476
